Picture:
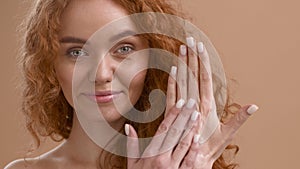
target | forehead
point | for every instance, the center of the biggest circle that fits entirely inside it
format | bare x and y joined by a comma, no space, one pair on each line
84,17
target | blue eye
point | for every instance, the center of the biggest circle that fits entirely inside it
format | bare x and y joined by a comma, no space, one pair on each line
75,53
124,50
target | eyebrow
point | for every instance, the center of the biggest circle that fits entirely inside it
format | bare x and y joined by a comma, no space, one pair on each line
122,35
70,39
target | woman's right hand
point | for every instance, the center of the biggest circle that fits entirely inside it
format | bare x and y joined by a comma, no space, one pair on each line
163,151
167,149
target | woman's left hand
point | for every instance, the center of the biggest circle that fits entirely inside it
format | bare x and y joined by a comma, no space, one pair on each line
203,156
196,155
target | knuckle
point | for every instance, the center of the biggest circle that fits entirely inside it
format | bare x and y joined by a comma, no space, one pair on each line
174,111
163,127
173,131
205,77
183,145
182,82
151,152
195,149
205,105
186,112
159,163
191,126
170,99
171,82
188,162
195,72
240,119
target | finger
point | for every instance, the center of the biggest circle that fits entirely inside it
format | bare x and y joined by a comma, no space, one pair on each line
171,89
171,117
206,86
193,72
182,148
182,73
155,144
238,119
178,128
222,138
190,158
184,144
133,151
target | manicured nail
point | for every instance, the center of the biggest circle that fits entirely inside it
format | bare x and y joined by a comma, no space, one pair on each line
196,138
183,50
127,129
173,71
200,47
190,104
190,42
180,104
195,115
252,109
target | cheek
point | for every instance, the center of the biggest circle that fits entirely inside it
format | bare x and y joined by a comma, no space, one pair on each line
136,86
132,73
64,76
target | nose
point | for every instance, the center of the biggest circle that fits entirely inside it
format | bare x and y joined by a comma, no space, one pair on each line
105,71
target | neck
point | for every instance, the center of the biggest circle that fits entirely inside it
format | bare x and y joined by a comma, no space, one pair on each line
80,148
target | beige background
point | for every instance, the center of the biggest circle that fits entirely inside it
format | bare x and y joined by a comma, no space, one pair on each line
258,41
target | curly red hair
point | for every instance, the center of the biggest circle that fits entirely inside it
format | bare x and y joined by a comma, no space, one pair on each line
46,110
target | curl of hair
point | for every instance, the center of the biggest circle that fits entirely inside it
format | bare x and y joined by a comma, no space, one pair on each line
47,111
44,105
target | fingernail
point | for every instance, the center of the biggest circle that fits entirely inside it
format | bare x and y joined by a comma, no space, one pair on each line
190,104
252,109
173,71
196,138
183,50
180,104
190,42
195,115
127,129
200,47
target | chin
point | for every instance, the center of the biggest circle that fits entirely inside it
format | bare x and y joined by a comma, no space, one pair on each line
110,115
114,118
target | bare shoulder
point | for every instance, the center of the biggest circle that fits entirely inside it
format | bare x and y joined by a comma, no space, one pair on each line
49,160
20,164
32,163
17,164
44,161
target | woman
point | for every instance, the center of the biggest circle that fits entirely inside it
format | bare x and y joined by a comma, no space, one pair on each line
56,36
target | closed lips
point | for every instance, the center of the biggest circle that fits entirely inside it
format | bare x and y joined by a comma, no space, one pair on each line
104,96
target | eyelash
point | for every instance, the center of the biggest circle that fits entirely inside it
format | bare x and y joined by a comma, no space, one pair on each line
74,52
71,53
118,52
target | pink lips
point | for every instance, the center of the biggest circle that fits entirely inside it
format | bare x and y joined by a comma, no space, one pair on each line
104,96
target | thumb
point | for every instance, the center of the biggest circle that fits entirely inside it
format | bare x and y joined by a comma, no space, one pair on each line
133,151
240,117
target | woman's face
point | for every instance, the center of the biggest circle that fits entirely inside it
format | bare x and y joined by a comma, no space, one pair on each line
113,91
